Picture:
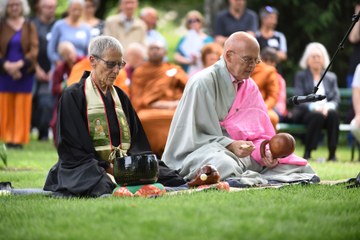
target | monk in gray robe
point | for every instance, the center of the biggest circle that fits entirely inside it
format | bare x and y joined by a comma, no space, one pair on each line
222,119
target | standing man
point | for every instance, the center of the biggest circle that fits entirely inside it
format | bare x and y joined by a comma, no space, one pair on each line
236,18
150,16
42,98
222,119
125,26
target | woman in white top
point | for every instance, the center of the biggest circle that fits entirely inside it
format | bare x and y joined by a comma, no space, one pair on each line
188,50
70,29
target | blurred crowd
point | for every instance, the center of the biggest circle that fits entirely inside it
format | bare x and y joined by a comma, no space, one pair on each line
40,56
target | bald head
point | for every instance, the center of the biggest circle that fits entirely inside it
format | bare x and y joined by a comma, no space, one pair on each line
156,52
241,53
239,39
42,2
67,52
149,16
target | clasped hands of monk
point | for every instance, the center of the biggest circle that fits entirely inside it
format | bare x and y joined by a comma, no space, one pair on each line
244,148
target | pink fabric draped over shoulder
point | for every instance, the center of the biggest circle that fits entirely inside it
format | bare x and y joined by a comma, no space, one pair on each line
248,120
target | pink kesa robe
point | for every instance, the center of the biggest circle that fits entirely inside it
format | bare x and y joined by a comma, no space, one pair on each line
248,120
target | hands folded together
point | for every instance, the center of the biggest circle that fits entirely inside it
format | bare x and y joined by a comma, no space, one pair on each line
13,69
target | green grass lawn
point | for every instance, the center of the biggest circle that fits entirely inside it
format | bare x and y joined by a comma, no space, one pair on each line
292,212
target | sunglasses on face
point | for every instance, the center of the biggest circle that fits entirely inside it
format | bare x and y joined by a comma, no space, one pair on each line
111,64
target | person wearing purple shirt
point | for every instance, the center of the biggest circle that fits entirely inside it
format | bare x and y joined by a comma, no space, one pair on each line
18,53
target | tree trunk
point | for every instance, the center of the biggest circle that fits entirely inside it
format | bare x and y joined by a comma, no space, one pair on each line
211,9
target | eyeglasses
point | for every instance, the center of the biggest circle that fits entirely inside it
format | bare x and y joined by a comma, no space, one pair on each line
248,60
190,21
111,64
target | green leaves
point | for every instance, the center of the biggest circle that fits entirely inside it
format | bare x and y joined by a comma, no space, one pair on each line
3,154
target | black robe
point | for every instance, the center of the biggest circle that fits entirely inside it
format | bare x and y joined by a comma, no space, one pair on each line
79,171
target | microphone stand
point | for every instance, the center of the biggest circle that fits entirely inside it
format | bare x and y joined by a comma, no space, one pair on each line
355,18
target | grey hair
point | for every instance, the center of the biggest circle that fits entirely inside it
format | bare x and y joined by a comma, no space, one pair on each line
98,45
70,2
3,8
310,48
146,10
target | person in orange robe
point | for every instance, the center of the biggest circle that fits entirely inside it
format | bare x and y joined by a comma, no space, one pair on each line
268,56
85,65
155,90
266,78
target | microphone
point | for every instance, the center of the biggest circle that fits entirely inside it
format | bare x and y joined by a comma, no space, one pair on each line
296,100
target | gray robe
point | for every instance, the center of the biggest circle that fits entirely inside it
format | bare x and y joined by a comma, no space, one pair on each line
196,137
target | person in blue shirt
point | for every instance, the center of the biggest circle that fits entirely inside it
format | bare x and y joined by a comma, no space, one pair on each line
70,29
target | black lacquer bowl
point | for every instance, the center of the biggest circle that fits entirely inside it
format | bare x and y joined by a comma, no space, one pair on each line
136,169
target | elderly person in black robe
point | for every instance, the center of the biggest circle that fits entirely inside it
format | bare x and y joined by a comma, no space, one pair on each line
95,119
